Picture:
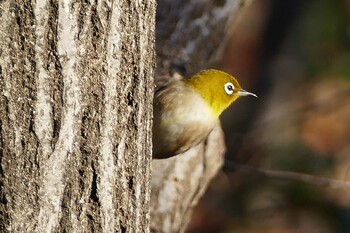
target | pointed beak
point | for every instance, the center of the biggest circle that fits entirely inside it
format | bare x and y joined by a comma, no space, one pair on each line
246,93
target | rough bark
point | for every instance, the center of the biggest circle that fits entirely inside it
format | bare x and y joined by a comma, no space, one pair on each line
191,36
76,86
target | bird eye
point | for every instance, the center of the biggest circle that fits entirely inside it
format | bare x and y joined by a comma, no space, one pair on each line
229,87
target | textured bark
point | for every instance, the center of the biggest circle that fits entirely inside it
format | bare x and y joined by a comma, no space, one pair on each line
190,35
179,182
194,33
76,89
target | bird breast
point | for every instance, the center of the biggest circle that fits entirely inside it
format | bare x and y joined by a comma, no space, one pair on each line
182,119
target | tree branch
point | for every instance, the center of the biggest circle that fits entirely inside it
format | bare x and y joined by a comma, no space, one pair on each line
230,166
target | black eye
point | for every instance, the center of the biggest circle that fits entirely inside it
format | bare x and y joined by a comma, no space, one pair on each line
229,87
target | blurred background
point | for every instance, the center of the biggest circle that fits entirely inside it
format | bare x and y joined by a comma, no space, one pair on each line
295,55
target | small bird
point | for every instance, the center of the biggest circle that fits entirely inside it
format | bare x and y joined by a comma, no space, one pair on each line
186,111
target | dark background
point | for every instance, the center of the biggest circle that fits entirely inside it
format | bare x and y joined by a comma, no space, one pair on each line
295,55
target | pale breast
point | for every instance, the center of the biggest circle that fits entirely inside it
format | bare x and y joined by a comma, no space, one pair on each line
181,120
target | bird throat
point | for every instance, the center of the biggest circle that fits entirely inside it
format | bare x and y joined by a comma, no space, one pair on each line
217,103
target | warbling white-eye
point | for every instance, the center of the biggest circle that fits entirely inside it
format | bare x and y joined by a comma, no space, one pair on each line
186,111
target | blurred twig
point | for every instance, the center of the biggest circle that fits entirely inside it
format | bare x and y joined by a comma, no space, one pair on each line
296,176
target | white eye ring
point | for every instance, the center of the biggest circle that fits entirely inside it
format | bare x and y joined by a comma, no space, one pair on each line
229,87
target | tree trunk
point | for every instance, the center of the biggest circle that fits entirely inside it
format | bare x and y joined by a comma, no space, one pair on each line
76,87
191,36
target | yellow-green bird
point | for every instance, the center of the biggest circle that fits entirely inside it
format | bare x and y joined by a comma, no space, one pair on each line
186,111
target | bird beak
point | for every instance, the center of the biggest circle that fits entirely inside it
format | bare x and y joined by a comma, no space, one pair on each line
245,93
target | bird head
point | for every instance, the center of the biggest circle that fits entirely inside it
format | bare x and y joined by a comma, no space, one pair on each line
217,88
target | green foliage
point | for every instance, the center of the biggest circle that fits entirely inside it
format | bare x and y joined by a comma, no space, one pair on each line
323,34
341,65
